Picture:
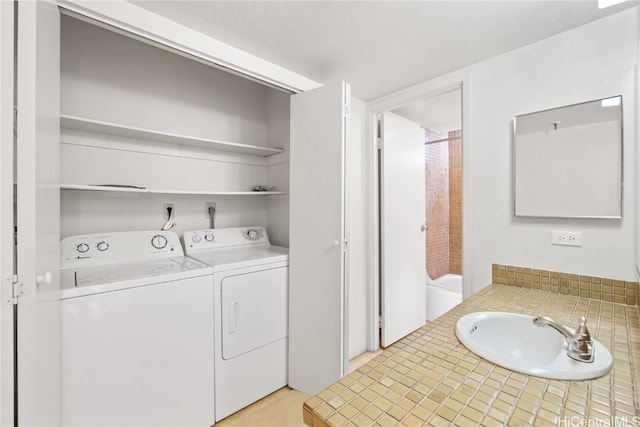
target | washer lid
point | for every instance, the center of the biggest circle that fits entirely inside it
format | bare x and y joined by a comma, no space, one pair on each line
241,257
90,280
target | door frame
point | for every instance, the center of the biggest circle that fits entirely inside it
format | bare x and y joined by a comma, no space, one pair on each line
38,213
7,220
457,80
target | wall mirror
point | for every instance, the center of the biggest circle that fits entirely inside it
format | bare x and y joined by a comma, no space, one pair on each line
568,161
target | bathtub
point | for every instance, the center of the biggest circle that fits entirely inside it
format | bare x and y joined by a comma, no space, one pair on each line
443,294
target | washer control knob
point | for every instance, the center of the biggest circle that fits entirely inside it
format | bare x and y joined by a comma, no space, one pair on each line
102,246
159,241
209,237
251,234
196,238
82,248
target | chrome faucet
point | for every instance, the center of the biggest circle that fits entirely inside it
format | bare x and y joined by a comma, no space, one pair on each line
580,345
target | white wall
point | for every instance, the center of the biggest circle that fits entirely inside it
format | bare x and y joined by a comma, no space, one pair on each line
84,212
109,77
278,206
357,225
593,61
278,120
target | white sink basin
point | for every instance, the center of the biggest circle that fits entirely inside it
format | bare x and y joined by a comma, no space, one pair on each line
514,342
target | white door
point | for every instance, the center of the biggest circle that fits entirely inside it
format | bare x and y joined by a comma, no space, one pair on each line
6,213
317,301
38,213
402,199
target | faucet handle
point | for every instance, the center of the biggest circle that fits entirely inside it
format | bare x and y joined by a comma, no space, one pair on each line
582,346
582,333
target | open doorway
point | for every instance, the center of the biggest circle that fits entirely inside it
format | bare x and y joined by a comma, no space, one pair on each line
378,262
441,118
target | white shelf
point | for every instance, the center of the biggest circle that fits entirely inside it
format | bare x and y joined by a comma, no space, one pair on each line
96,126
118,189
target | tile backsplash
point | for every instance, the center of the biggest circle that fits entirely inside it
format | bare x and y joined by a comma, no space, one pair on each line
611,290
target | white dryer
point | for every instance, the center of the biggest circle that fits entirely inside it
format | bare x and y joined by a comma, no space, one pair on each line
136,332
250,305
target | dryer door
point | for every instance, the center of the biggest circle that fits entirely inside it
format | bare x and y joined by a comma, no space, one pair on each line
254,310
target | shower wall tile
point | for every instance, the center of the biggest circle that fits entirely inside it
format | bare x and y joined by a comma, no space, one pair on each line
443,196
437,208
455,202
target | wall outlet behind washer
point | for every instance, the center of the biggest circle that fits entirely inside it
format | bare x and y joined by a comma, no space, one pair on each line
208,205
165,211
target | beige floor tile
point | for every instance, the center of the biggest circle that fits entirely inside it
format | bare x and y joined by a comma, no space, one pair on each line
282,408
360,360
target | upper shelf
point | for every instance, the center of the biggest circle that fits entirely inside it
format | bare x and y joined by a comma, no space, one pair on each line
96,126
133,189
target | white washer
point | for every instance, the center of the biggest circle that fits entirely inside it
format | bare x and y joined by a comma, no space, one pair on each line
250,305
136,332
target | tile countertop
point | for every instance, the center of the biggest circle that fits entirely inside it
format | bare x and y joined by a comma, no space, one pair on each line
430,378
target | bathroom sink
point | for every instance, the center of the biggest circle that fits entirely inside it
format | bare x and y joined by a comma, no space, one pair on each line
513,341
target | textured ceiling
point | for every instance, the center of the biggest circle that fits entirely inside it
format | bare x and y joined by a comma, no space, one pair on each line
382,46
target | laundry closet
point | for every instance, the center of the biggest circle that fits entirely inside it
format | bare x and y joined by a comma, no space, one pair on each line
145,126
148,137
122,114
143,129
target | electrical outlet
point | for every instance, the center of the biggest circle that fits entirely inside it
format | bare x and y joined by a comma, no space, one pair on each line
208,205
566,238
165,211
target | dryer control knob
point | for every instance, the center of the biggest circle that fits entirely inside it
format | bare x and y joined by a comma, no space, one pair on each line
196,238
82,248
159,241
209,237
102,246
252,234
